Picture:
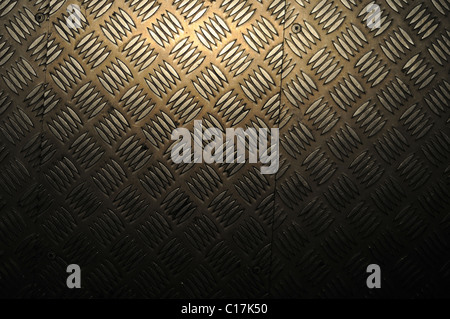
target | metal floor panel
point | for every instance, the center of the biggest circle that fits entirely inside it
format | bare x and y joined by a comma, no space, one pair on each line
86,177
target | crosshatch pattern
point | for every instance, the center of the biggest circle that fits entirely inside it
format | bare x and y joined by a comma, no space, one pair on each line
86,177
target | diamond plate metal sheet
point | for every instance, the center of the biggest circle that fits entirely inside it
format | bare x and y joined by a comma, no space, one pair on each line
86,117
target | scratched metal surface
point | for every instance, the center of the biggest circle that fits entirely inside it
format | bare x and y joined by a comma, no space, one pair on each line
85,169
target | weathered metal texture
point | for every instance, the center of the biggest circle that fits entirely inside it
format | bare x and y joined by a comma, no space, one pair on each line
86,175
